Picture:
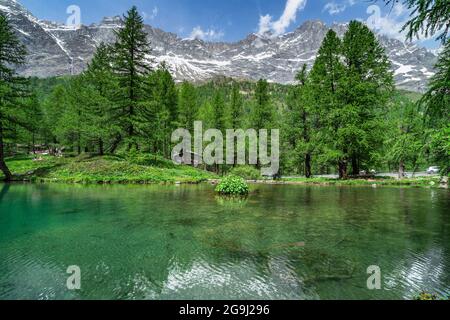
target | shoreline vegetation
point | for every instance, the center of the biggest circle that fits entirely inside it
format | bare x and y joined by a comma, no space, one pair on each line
92,169
342,114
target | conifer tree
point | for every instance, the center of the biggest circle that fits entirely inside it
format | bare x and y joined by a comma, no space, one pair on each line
218,120
303,119
325,78
366,87
436,102
236,107
162,113
12,88
131,67
263,111
188,106
99,85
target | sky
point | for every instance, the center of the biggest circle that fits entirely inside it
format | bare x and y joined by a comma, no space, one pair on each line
233,20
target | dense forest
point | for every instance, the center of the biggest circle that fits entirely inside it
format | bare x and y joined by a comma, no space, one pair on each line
344,115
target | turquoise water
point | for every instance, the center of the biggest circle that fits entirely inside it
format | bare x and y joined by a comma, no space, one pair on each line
182,242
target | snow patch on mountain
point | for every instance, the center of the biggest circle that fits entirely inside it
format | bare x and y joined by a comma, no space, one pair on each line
56,49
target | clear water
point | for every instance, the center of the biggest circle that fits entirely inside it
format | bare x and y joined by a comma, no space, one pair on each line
182,242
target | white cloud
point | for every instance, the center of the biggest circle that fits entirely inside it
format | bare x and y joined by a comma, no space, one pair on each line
208,35
152,15
336,8
391,24
280,26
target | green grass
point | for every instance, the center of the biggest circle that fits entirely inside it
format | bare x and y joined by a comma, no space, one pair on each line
152,170
105,170
423,182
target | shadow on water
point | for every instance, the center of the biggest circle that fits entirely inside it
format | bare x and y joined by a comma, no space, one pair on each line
4,190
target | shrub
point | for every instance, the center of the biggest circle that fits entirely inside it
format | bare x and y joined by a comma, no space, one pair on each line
246,172
426,297
233,185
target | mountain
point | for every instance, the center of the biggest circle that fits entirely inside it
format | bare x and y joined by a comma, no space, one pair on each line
56,49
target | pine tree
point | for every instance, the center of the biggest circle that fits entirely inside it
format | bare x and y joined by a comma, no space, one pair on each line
99,85
35,118
365,88
218,120
263,112
436,102
303,114
161,110
70,129
236,107
352,84
12,88
130,65
404,135
325,78
54,106
188,105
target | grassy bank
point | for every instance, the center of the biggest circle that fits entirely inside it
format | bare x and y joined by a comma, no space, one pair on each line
106,169
422,182
151,170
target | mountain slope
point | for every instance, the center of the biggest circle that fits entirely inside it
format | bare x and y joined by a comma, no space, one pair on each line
56,49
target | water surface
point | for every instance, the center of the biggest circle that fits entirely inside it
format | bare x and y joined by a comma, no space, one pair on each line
183,242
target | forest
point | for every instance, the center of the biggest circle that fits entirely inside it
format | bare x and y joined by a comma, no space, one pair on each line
344,115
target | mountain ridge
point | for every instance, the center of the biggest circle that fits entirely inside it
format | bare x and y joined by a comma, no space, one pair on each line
56,49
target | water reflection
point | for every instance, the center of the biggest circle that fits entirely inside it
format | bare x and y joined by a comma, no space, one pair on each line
282,242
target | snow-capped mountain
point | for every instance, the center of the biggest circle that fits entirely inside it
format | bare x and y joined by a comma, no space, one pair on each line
56,49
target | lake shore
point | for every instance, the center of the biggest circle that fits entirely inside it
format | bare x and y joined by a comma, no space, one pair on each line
152,170
427,182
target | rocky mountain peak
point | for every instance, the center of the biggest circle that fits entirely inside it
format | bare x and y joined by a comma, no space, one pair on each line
55,49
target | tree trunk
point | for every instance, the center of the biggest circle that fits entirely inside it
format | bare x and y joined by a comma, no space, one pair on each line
3,166
355,166
100,147
306,139
115,144
401,170
342,169
34,144
308,171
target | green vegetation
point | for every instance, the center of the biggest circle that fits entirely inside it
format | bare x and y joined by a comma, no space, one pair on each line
425,182
233,186
429,17
342,116
104,170
424,296
246,172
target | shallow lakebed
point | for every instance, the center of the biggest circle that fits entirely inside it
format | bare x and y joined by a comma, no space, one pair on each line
184,242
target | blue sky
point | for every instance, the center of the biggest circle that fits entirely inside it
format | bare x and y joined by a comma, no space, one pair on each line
231,20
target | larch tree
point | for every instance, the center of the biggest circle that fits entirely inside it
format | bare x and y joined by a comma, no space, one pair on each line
436,102
325,78
263,112
131,67
188,106
12,87
365,88
236,107
99,85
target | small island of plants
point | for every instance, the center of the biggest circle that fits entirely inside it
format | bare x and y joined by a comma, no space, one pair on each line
233,186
